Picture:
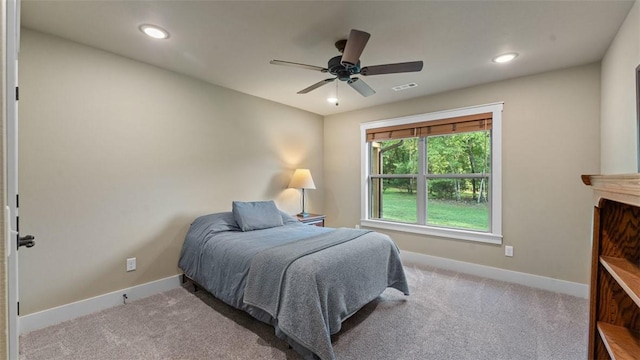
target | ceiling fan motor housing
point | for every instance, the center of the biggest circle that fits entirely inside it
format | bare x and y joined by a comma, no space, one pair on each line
343,73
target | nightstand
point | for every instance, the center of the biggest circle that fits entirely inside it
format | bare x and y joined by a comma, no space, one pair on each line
312,219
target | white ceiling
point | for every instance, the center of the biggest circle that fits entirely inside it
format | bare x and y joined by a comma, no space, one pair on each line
230,43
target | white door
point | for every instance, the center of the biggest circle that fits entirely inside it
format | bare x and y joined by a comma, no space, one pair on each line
14,240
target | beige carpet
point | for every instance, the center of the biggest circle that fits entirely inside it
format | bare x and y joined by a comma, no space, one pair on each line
447,316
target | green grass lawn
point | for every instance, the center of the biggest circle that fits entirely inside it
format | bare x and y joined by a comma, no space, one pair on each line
401,206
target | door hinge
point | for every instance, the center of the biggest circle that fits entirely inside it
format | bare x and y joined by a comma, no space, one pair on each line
18,308
17,201
17,93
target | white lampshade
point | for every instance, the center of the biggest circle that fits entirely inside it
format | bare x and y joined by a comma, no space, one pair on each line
302,180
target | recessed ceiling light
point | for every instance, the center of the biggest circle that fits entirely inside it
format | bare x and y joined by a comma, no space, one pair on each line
154,31
505,58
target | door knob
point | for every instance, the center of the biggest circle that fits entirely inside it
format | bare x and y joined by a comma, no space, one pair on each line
28,241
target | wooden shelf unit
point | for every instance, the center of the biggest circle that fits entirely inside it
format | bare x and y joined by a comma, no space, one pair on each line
614,311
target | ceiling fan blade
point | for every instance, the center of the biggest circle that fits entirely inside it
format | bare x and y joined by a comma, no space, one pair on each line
392,68
360,86
303,66
355,45
316,85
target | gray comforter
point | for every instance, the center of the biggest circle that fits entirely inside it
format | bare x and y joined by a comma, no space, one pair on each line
319,288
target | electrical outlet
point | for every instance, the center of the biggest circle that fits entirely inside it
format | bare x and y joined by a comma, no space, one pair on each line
357,226
508,250
131,264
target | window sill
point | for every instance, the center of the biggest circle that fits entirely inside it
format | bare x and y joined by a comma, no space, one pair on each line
435,231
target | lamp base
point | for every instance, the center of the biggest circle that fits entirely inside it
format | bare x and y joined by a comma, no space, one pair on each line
304,214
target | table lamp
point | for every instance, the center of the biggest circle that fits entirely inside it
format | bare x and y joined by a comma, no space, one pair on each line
302,180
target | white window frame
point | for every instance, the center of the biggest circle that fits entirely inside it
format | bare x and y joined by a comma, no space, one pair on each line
494,236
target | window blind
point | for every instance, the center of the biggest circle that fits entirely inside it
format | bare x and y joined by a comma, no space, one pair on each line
476,122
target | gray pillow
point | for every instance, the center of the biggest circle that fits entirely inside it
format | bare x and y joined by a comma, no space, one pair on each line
217,222
256,215
289,219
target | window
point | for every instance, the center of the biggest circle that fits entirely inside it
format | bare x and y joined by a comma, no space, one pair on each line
436,173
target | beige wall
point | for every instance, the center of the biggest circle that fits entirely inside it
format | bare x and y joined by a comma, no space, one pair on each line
118,157
550,137
619,131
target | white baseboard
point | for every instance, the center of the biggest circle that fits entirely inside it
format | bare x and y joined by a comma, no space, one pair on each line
76,309
536,281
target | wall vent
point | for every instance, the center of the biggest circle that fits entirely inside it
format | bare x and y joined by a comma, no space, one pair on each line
404,87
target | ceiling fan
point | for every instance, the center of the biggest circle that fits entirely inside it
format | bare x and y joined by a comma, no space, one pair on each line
348,64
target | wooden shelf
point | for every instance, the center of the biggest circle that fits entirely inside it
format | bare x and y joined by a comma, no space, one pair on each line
621,343
626,274
614,305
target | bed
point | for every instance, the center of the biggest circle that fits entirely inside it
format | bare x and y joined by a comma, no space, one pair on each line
303,280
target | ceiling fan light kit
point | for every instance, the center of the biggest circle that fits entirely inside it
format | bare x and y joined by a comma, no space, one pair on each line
334,99
344,66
